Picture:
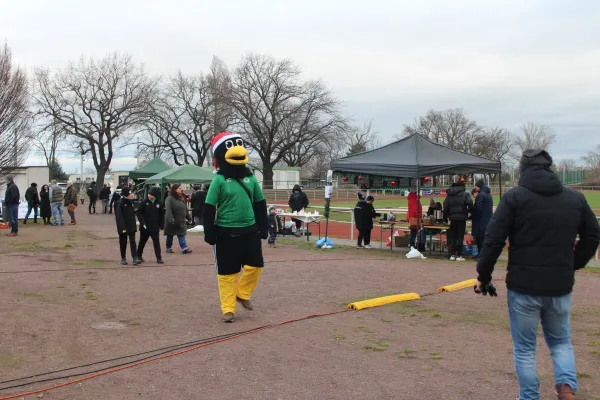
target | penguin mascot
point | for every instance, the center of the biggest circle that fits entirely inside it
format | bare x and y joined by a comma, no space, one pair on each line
235,220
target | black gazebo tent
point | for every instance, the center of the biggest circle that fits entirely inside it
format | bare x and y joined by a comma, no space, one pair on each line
415,157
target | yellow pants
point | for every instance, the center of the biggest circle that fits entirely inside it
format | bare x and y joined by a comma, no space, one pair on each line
232,286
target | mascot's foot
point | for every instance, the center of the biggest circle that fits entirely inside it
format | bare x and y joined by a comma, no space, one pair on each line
247,304
228,317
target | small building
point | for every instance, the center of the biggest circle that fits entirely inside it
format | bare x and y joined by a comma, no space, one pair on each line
23,178
284,178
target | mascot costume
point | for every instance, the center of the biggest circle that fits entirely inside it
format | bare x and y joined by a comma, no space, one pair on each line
235,220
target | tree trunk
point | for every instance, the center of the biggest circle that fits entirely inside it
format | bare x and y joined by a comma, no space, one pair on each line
267,176
100,175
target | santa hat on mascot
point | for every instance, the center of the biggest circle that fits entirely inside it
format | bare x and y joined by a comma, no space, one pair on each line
217,141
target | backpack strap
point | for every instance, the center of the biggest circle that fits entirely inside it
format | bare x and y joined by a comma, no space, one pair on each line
245,190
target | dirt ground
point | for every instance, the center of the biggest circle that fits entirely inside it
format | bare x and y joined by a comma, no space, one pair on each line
60,286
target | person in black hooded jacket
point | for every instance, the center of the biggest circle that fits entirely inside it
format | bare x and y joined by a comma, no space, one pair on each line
457,207
364,214
33,202
541,219
126,226
151,214
298,201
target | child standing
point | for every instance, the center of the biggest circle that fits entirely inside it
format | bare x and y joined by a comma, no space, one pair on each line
364,215
126,226
273,225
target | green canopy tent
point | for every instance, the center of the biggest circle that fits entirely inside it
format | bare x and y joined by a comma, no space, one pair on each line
149,169
184,174
187,173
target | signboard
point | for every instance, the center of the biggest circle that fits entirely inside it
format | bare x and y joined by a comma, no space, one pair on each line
329,187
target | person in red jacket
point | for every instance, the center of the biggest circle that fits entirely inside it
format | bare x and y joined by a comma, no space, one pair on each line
415,210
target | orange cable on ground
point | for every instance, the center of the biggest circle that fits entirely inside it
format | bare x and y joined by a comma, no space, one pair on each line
135,364
110,371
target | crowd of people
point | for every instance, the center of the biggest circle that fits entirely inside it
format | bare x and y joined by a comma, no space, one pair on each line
48,204
458,208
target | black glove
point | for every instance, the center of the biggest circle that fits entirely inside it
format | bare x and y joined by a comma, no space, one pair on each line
210,238
485,289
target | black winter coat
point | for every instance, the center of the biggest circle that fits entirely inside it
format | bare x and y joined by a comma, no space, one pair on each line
151,216
125,216
12,196
363,215
115,199
105,193
45,206
298,201
91,192
482,211
197,203
458,204
541,219
32,197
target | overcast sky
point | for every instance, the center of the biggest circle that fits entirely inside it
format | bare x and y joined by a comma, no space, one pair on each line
504,62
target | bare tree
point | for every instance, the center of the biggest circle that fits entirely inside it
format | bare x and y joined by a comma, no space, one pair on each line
14,115
189,110
566,165
592,159
48,138
181,119
534,136
102,103
276,110
151,145
494,144
361,139
451,128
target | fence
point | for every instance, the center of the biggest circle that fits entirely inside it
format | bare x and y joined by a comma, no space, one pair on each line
573,177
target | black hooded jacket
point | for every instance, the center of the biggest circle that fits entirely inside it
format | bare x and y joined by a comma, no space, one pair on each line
151,215
458,203
363,215
125,216
32,196
12,196
541,219
299,200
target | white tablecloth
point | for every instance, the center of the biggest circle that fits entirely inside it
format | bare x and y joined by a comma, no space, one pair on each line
303,218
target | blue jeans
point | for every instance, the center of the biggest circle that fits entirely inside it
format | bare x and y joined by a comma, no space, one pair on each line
58,210
413,237
180,238
13,217
31,207
525,312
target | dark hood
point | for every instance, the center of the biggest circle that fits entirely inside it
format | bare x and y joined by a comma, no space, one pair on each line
297,187
536,174
541,180
455,190
485,189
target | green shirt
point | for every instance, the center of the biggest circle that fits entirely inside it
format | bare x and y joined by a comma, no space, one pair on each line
234,207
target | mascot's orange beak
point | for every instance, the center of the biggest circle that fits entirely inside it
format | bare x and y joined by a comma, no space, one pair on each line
237,155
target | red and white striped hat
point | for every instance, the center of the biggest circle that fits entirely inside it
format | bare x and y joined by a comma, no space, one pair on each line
221,137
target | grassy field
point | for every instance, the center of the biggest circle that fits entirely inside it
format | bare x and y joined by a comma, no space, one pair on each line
593,199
